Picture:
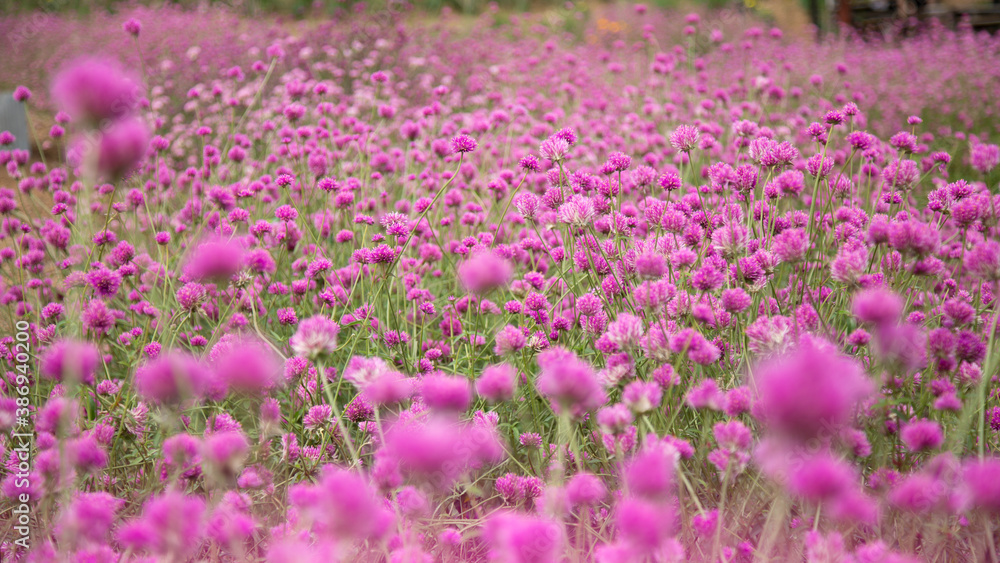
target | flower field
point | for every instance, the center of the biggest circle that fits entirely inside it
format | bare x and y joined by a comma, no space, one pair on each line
642,287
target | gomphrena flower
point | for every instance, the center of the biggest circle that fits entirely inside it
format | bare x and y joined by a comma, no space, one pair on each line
811,392
685,138
497,383
463,144
523,538
578,212
122,147
172,378
877,306
569,382
646,516
341,505
315,337
446,392
984,260
215,259
170,527
132,26
822,477
94,90
920,435
554,148
22,94
70,360
981,480
389,388
509,339
585,489
642,396
224,452
626,331
484,272
439,450
246,365
791,245
88,518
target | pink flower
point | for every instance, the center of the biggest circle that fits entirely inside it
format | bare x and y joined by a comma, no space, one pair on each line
522,538
439,450
215,259
95,90
484,272
446,392
315,337
578,212
226,451
877,306
981,479
342,506
920,435
70,360
247,365
811,392
821,477
122,148
172,378
569,382
497,383
171,526
585,489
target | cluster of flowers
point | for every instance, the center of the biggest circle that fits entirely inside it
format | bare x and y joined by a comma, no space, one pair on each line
421,297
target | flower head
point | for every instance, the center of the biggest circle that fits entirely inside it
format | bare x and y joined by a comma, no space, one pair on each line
463,144
315,337
811,391
94,90
569,382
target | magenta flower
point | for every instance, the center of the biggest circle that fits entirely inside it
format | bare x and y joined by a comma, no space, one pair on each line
170,526
569,382
445,392
497,383
94,90
484,272
920,435
70,360
315,337
172,377
463,144
524,538
811,392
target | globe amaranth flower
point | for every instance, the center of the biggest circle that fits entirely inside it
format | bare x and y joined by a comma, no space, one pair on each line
215,259
315,337
569,382
484,272
809,392
578,212
685,138
446,392
498,382
95,90
173,377
70,360
554,148
521,537
132,26
463,144
246,365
